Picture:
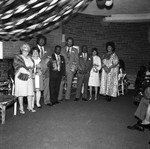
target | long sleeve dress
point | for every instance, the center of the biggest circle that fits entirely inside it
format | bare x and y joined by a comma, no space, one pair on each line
94,79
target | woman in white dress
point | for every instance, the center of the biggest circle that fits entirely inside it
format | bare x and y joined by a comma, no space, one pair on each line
94,79
23,65
38,79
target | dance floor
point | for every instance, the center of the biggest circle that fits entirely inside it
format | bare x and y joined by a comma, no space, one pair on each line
75,125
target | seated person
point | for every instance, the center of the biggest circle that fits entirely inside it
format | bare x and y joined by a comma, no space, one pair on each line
140,78
143,112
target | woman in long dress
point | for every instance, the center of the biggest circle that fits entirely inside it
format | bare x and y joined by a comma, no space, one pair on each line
110,69
38,79
23,65
94,79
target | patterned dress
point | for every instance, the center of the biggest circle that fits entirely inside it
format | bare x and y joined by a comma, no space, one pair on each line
109,81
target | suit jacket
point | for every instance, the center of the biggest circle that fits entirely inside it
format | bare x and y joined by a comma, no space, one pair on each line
62,64
85,66
72,59
47,52
44,68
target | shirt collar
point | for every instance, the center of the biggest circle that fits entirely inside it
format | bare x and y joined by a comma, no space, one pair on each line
57,55
68,48
40,47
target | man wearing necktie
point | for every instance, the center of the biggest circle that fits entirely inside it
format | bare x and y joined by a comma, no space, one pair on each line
44,53
83,73
71,58
57,71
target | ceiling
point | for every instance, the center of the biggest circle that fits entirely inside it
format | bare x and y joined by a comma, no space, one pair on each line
123,10
22,19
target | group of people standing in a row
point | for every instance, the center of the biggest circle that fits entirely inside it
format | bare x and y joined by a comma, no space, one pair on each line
37,70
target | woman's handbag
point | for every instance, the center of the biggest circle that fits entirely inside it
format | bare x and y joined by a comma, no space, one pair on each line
23,76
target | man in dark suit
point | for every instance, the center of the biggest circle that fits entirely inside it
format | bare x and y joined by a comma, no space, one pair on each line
84,68
45,53
71,58
57,73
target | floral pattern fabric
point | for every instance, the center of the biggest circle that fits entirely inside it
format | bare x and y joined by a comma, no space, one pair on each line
109,81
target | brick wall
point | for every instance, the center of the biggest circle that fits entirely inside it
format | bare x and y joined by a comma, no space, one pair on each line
11,48
132,45
131,39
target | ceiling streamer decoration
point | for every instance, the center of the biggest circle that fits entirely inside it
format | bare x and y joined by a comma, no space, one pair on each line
24,19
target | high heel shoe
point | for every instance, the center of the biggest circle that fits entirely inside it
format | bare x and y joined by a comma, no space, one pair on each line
32,110
22,111
146,126
38,106
90,98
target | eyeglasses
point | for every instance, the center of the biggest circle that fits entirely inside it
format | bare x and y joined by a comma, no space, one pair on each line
25,51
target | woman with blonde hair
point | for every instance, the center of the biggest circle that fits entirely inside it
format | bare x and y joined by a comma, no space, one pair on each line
23,65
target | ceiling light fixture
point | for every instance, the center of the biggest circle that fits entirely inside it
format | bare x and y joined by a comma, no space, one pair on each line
104,3
109,3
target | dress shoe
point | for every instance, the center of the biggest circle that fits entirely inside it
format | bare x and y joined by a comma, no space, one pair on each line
109,99
49,104
136,127
76,99
57,102
67,100
84,99
60,100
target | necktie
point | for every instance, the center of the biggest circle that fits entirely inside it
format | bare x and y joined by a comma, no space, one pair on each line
41,52
58,62
84,57
68,52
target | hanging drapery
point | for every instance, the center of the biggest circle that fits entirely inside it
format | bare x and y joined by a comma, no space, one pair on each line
22,19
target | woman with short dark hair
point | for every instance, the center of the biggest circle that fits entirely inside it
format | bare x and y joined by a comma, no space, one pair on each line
38,79
110,69
94,79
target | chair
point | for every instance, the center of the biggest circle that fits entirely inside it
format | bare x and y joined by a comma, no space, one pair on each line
121,85
13,93
7,99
